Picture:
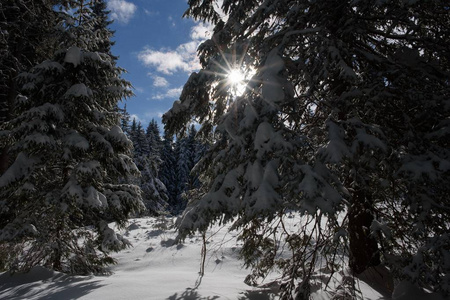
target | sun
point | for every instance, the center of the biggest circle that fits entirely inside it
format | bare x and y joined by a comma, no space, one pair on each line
236,79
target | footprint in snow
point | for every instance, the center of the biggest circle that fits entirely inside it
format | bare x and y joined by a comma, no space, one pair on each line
168,243
133,226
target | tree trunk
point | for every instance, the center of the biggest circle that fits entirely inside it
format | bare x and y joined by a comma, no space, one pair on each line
57,252
364,252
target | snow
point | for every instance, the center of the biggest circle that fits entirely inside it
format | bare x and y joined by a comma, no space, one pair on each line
268,140
250,115
368,140
336,149
117,134
416,169
39,139
74,190
89,169
74,139
156,267
253,174
95,56
272,88
18,169
79,90
95,198
407,291
73,56
45,110
325,198
50,65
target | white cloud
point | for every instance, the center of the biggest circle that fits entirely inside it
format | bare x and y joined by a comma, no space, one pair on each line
172,22
183,58
171,93
165,61
121,10
135,117
174,92
139,89
154,114
201,31
159,81
151,12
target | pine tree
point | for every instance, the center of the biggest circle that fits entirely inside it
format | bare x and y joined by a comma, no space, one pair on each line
183,156
188,150
168,173
141,146
154,192
197,148
24,41
124,119
344,121
70,154
133,131
101,27
22,32
147,160
154,142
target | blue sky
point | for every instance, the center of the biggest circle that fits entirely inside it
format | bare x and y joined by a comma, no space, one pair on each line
158,49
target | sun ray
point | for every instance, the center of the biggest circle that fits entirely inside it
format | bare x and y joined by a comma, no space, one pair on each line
236,80
230,67
235,77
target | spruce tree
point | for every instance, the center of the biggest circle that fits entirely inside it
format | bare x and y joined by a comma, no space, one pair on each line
343,121
183,156
147,160
124,119
133,131
153,137
25,40
197,149
188,150
70,155
101,27
168,170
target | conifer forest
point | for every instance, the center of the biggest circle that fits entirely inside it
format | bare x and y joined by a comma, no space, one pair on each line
307,156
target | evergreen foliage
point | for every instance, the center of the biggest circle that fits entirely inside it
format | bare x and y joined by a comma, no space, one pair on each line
183,152
147,159
124,119
100,27
188,151
154,138
70,155
345,120
168,171
25,40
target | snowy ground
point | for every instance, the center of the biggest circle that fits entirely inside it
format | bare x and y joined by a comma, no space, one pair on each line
155,268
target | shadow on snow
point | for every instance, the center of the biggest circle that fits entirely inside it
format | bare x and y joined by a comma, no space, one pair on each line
58,286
